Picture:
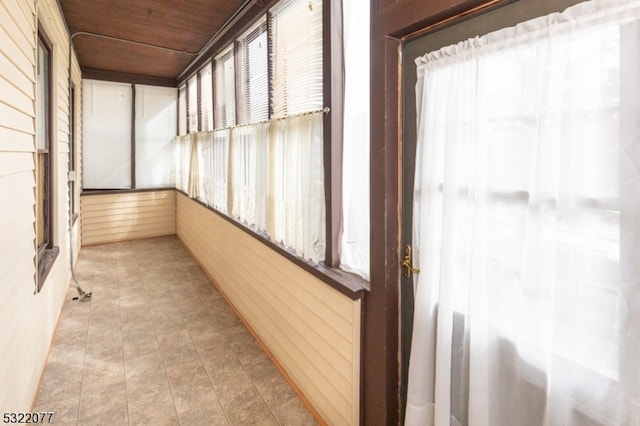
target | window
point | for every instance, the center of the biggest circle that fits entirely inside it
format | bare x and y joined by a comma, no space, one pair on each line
192,104
155,125
253,74
107,132
128,146
206,98
225,90
264,163
44,162
296,69
182,110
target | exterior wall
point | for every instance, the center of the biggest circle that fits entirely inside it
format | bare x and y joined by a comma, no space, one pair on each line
27,319
128,215
312,330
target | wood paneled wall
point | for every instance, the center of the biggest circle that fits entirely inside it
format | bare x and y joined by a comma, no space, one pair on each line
312,330
123,216
28,319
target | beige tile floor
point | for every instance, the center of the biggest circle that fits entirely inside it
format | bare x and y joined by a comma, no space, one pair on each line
157,344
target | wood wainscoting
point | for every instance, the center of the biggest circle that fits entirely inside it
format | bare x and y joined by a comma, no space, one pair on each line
118,216
311,330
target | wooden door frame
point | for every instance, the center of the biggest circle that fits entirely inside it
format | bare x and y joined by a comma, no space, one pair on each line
392,23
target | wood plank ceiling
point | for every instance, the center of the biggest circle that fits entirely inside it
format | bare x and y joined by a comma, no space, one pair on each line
150,38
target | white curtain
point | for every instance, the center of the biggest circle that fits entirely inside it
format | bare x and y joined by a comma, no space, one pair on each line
355,169
250,173
197,171
526,225
296,194
215,157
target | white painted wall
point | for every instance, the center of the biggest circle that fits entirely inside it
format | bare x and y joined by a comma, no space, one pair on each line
28,320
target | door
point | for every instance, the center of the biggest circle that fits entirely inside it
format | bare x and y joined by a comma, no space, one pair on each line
413,47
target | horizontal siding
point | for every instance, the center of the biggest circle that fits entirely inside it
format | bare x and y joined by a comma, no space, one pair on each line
25,343
20,100
311,329
117,217
15,48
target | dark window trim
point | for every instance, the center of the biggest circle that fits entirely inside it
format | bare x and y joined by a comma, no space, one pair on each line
90,192
47,253
133,135
333,76
350,285
199,100
186,107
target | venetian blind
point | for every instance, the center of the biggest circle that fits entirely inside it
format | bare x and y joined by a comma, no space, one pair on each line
225,91
182,110
253,87
192,87
296,55
206,98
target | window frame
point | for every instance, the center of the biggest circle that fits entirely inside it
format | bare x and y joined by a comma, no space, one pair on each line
134,85
333,87
47,252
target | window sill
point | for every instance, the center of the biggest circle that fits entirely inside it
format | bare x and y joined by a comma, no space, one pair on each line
46,259
88,192
351,285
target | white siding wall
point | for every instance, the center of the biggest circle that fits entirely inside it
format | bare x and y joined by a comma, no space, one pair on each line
28,320
312,330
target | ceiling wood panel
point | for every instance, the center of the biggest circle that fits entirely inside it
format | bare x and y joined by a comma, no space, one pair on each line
181,25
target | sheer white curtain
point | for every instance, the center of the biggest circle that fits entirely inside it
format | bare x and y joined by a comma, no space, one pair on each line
215,157
250,173
182,157
355,169
526,224
296,194
207,175
194,184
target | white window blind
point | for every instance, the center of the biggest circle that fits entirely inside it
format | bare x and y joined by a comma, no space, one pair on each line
182,110
296,49
107,135
206,98
225,91
155,130
253,85
192,86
